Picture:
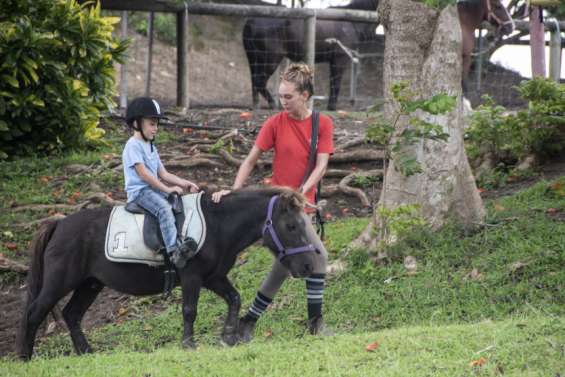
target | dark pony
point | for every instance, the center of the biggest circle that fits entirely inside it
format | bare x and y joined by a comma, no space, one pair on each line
68,255
268,40
471,14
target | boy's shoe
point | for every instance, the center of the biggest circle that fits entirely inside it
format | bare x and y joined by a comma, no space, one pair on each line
188,247
316,326
178,258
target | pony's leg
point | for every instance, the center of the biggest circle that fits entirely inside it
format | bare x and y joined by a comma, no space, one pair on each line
35,313
190,293
223,288
73,312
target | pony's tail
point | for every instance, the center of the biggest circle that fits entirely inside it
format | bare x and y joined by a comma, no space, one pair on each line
34,282
35,273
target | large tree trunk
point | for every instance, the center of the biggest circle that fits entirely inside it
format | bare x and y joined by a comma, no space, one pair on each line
423,47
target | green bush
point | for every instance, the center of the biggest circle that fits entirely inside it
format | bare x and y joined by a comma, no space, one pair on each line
56,74
512,136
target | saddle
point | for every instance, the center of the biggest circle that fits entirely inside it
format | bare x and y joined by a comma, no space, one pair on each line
151,230
133,236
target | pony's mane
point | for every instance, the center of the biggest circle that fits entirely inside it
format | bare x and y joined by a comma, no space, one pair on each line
291,197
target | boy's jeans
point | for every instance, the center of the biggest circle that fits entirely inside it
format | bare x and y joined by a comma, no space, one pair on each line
155,202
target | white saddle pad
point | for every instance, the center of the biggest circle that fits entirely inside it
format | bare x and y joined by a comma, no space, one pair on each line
124,236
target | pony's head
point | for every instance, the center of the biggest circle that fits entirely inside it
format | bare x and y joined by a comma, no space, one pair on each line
285,233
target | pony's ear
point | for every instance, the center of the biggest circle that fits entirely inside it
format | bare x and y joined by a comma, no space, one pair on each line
293,199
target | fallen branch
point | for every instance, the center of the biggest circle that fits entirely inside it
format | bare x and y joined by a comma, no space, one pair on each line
352,191
190,162
351,143
337,173
57,216
98,197
10,265
101,198
231,160
358,155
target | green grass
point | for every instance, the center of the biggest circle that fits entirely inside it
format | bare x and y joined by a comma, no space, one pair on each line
530,346
431,323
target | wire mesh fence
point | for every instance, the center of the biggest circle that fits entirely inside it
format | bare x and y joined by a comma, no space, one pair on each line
220,70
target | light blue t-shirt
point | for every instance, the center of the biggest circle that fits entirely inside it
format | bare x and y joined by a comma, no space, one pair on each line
138,151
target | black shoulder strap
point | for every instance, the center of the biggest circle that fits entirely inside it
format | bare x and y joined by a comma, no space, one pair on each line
313,146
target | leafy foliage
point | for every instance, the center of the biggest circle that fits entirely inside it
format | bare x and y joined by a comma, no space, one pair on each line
513,136
56,74
399,222
382,131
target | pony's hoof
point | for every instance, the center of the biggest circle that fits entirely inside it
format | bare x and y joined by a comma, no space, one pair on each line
230,340
246,329
189,344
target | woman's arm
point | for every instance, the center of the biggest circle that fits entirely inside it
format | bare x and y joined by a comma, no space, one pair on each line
247,167
242,174
318,172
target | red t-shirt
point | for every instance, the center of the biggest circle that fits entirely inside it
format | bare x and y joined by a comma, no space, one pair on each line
291,140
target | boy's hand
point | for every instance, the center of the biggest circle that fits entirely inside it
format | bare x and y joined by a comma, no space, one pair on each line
176,189
191,186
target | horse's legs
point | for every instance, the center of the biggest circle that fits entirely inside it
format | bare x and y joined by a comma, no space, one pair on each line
190,293
223,288
35,312
336,72
468,44
269,66
73,312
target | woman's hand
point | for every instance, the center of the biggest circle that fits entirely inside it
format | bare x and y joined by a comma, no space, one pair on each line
217,196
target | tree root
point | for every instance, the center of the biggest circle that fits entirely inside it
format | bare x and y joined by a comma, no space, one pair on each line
358,155
95,198
189,162
343,185
13,266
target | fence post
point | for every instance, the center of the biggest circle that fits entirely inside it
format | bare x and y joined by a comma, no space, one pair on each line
537,43
123,67
182,58
555,52
310,45
355,65
149,57
479,62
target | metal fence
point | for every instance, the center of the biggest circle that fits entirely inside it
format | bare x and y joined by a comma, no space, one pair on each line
219,74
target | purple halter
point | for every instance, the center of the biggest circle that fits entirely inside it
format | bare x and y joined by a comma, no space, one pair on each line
282,251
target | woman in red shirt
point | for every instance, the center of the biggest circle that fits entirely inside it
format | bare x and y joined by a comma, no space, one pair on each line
289,133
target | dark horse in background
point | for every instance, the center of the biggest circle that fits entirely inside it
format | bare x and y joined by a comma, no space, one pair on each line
68,256
268,40
471,14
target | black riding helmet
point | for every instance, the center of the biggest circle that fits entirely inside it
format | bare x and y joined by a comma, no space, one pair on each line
142,107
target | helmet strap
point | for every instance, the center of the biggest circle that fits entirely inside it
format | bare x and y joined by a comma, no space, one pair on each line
138,127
